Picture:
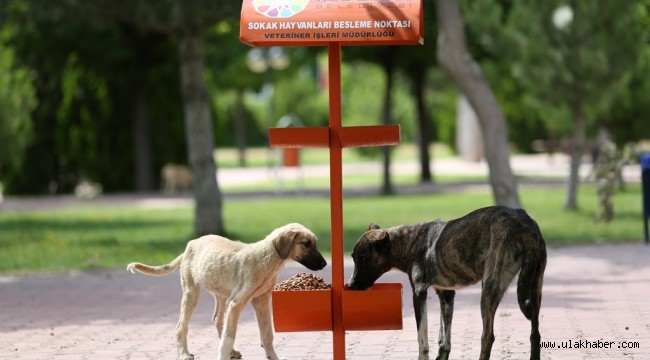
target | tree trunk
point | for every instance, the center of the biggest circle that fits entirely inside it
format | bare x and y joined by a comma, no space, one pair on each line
577,144
142,139
454,57
424,135
200,137
387,186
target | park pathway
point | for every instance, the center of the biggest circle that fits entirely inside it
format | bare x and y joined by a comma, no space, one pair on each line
595,306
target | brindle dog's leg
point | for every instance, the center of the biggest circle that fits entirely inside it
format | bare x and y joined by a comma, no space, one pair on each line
446,298
420,309
491,295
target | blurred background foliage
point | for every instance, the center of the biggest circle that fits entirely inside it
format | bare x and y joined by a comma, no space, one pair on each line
74,74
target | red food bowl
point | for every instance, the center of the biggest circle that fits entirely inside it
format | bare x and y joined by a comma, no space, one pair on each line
302,310
378,308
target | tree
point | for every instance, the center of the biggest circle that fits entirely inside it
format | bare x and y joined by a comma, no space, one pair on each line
455,59
388,64
186,21
227,69
198,120
416,61
17,100
386,58
424,135
91,74
627,119
575,58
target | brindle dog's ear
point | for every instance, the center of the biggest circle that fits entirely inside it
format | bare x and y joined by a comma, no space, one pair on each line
283,244
373,226
383,242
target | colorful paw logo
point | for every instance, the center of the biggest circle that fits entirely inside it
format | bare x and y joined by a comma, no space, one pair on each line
279,8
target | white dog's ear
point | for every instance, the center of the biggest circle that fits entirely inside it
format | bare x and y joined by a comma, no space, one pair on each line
373,226
283,244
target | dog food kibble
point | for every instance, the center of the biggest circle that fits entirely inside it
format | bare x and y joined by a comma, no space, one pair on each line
303,281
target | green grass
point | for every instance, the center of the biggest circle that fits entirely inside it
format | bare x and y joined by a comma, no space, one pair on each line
107,237
89,237
349,182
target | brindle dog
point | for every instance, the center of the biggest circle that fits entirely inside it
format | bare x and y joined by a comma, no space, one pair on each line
491,244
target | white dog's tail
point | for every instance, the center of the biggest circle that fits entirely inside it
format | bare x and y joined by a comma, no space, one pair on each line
155,270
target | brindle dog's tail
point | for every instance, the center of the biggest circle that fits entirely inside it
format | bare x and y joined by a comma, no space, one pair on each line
155,270
529,284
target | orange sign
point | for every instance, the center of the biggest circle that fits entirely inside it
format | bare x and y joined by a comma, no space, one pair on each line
318,22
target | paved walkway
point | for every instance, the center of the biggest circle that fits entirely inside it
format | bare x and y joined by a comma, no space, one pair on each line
592,295
557,165
555,168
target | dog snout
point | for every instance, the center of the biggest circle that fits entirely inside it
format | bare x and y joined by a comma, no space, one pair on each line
320,262
314,261
315,266
323,263
355,285
362,278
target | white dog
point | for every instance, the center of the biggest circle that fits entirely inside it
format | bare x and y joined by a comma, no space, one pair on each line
236,273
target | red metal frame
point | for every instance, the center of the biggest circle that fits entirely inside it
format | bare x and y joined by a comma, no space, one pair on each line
336,138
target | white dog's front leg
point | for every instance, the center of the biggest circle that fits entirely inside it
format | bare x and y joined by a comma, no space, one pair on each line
218,318
233,309
262,306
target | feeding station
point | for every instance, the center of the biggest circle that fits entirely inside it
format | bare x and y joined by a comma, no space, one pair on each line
334,23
